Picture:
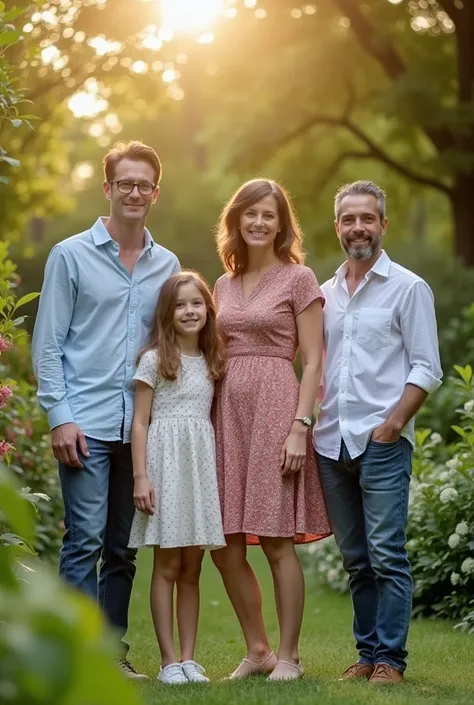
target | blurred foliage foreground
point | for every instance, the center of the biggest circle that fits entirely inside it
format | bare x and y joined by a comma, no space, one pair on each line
55,648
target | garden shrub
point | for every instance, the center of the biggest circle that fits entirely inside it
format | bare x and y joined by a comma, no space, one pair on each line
24,433
55,648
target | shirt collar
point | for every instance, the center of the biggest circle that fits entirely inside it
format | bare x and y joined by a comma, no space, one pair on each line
381,267
100,234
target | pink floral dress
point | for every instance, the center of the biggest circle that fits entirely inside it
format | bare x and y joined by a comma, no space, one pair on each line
255,406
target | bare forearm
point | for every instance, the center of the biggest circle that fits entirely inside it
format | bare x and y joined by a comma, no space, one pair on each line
309,389
139,436
410,402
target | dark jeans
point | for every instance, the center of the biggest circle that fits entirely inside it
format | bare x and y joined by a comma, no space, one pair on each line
98,504
367,503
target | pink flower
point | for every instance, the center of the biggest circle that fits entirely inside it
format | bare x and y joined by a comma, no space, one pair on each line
5,344
5,392
5,448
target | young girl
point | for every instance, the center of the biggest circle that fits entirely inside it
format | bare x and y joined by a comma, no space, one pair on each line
174,467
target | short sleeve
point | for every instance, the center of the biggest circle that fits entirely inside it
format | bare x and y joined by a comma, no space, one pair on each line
305,289
217,290
147,370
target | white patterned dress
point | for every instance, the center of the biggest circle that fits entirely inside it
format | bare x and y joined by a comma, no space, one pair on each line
180,460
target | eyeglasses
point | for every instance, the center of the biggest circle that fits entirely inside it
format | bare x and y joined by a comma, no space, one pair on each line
126,187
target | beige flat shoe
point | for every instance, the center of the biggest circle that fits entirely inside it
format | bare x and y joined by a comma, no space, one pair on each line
254,668
286,671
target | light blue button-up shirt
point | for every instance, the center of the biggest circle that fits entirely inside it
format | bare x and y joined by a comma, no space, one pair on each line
93,319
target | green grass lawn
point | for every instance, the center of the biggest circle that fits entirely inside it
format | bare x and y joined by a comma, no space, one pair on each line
441,662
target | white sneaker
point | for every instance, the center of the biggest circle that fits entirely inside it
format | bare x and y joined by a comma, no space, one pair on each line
194,672
172,674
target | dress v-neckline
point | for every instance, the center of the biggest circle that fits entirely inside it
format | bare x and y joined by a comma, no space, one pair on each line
257,286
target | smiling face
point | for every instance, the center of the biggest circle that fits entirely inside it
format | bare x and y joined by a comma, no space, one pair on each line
359,226
190,313
260,223
133,207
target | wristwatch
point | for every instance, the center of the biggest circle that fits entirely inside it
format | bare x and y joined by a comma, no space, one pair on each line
304,419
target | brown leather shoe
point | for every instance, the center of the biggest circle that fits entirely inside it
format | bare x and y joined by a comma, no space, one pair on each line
358,670
384,674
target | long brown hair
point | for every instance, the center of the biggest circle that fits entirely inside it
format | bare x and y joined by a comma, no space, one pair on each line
163,337
231,246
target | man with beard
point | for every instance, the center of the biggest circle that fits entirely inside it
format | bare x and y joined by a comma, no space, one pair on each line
382,361
95,313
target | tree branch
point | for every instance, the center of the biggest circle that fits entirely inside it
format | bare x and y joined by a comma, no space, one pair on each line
333,168
377,45
380,47
373,150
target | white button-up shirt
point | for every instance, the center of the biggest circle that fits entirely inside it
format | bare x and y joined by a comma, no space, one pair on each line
376,342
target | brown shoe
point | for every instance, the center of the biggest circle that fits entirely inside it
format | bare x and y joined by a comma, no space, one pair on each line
358,670
384,674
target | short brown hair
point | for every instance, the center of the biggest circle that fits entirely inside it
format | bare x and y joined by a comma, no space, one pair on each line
138,151
230,244
162,335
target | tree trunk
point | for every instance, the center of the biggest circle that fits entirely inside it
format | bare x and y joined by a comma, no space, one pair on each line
462,196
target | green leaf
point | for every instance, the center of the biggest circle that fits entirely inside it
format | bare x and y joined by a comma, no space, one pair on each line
7,38
459,430
17,511
464,372
26,299
18,321
12,14
422,435
10,160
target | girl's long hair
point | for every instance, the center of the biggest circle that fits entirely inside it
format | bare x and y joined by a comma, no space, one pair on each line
230,244
163,337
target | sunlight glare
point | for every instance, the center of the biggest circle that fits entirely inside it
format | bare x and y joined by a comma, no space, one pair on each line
190,15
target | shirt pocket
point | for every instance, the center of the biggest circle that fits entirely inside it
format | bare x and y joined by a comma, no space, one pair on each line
373,330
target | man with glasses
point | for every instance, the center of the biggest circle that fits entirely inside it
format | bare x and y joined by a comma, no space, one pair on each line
95,312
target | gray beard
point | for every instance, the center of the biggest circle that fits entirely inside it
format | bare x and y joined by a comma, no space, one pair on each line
362,253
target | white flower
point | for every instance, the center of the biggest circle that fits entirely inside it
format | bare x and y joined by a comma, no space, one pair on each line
445,475
449,494
436,438
455,578
462,529
454,540
468,566
333,574
469,406
453,464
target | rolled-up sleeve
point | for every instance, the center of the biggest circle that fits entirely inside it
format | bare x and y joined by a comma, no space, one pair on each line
420,336
52,324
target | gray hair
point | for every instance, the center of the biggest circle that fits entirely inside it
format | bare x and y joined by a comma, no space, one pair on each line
360,188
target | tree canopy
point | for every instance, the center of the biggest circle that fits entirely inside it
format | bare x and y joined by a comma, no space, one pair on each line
318,92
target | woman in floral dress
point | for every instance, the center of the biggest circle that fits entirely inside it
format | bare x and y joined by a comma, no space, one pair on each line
269,306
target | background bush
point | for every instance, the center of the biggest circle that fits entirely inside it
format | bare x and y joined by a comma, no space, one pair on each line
24,433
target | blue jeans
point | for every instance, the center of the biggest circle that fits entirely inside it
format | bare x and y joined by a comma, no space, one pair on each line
98,514
367,503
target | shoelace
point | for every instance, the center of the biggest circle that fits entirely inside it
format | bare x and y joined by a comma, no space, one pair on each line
174,670
193,666
383,670
355,668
